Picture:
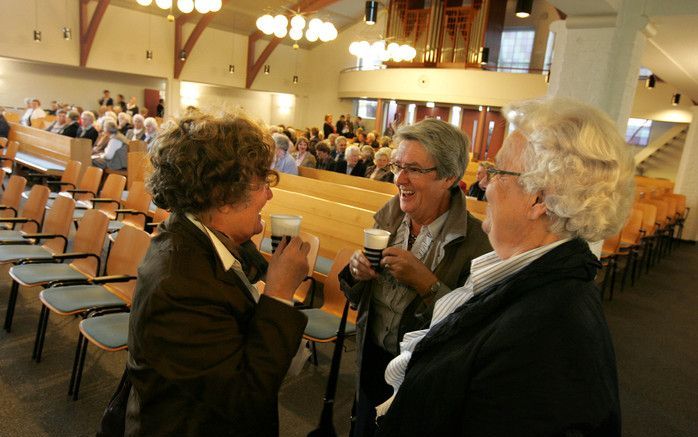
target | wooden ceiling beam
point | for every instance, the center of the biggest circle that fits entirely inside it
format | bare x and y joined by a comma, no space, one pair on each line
89,30
253,66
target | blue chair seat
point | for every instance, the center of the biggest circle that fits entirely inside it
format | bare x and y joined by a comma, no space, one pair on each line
114,226
323,326
12,237
79,213
78,298
109,331
15,253
35,274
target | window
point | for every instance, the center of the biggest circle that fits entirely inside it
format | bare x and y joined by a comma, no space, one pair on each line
638,131
549,51
515,50
365,108
455,116
411,108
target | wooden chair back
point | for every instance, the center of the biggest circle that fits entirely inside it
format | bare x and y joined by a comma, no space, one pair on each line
159,216
89,182
680,204
12,195
125,256
661,205
71,174
670,207
9,156
630,234
113,189
35,207
89,238
314,241
649,217
58,221
610,246
333,297
138,199
3,142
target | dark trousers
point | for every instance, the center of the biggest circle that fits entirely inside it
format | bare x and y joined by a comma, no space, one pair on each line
373,390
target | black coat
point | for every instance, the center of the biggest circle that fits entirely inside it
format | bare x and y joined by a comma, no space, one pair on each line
358,170
4,127
204,359
90,133
71,130
530,357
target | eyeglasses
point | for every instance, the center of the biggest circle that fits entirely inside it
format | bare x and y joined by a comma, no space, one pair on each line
409,169
493,171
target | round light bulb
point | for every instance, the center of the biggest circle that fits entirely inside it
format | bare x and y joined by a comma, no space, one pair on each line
364,48
164,4
279,22
354,48
185,6
393,47
413,53
280,32
324,32
298,22
311,34
296,33
265,23
215,5
202,6
332,31
315,24
144,2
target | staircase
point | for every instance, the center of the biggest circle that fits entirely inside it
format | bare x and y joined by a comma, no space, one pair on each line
660,158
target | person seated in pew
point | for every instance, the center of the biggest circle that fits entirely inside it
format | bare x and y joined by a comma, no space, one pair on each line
4,125
137,132
207,352
106,100
324,160
59,123
283,161
477,189
104,135
33,113
151,131
71,129
115,154
132,106
432,241
302,155
120,103
87,130
523,348
340,147
352,164
124,119
367,153
380,171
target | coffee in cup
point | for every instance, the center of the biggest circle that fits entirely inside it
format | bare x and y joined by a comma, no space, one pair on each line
283,225
375,240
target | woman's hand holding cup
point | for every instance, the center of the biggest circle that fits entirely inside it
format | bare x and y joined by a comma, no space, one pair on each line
287,268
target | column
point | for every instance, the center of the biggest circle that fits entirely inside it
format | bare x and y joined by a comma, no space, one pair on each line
597,59
173,99
687,178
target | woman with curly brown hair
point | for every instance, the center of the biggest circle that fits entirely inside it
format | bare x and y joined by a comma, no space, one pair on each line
207,353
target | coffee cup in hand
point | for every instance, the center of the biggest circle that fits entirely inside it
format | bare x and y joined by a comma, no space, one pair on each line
375,240
283,225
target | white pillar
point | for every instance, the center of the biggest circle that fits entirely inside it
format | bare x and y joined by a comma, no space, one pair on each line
173,99
687,177
597,60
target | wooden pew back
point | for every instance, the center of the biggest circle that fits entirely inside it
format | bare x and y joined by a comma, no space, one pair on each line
352,181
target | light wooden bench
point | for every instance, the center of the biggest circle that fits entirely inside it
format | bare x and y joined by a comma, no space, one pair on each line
352,181
348,195
46,152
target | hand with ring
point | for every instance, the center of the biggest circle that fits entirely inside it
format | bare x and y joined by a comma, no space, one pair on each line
360,267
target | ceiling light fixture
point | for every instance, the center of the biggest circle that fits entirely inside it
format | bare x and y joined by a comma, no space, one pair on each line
379,50
371,14
279,27
651,81
163,4
484,56
144,2
295,79
185,6
231,68
67,33
182,55
37,36
523,8
267,69
675,99
149,55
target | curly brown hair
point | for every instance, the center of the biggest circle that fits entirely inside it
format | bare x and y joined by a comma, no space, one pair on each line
203,162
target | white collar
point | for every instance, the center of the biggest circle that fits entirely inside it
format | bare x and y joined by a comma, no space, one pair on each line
227,259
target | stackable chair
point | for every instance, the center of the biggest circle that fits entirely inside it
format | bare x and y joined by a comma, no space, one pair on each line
3,142
630,239
11,197
608,261
86,253
159,216
108,200
323,322
649,219
7,160
661,228
29,221
69,177
113,290
134,210
86,188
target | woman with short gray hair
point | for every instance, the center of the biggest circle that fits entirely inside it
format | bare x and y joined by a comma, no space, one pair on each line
432,241
115,154
523,348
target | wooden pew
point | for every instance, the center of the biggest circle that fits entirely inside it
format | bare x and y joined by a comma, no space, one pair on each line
47,152
352,181
349,195
336,224
138,167
477,208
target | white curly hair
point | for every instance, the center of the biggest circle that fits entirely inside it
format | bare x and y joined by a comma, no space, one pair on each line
576,157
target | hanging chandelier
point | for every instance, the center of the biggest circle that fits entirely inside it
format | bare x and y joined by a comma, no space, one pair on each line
382,51
278,26
187,6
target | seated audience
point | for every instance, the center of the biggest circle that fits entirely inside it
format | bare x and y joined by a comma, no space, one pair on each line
367,156
120,103
25,119
324,160
340,144
314,137
33,113
432,241
59,123
73,126
283,161
103,138
303,156
87,130
207,352
106,100
352,164
53,108
132,106
477,189
523,347
137,132
327,127
380,171
371,141
115,154
124,119
151,131
4,125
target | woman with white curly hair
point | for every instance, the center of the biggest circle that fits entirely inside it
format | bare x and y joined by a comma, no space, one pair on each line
523,347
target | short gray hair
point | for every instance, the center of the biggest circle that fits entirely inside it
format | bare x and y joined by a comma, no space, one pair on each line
138,117
383,151
281,141
576,157
150,121
350,150
447,145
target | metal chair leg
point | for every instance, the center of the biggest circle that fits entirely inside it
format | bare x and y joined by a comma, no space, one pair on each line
42,337
76,360
11,302
81,365
613,278
40,332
